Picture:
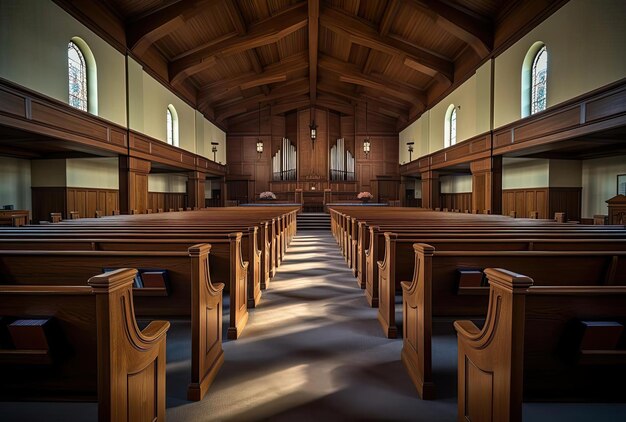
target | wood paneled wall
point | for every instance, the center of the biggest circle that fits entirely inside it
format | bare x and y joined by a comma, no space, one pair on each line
313,161
62,199
546,201
456,201
166,200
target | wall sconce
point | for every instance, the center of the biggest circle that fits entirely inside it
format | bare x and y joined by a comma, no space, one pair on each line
367,146
259,147
410,145
214,149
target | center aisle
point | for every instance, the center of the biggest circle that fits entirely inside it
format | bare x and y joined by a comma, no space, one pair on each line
313,350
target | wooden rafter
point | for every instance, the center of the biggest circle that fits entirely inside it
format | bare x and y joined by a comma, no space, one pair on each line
280,70
296,87
383,29
351,74
363,34
262,33
144,31
477,33
314,13
240,25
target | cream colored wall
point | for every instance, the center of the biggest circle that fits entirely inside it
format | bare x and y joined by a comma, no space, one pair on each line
566,173
102,173
148,101
15,183
164,182
33,40
207,132
456,184
48,173
586,43
518,173
600,183
473,118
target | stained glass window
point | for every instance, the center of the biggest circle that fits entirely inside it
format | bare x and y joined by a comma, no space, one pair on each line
538,82
77,72
170,127
453,127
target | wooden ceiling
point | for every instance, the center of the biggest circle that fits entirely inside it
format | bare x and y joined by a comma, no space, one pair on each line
226,57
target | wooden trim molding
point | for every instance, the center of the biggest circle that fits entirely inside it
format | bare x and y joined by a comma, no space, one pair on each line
602,109
23,109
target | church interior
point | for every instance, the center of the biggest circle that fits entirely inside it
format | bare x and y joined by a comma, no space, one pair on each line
313,210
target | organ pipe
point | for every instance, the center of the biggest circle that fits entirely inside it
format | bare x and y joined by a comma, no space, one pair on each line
341,162
284,161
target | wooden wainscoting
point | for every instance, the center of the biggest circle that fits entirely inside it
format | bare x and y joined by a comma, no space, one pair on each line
546,201
458,201
567,200
63,199
89,200
523,201
166,200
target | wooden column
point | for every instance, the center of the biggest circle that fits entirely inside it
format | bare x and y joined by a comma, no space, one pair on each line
487,184
133,184
223,191
430,190
195,189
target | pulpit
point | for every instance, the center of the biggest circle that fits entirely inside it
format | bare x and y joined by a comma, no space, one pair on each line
617,209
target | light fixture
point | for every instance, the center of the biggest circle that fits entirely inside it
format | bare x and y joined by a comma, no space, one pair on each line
259,141
312,127
410,145
367,143
214,149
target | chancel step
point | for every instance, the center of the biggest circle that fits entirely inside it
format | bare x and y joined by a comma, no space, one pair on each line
313,221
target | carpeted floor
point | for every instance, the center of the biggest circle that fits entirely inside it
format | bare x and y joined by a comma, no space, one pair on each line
313,351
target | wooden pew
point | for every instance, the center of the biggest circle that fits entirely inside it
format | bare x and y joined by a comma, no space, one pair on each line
92,349
435,291
190,291
531,238
535,344
148,239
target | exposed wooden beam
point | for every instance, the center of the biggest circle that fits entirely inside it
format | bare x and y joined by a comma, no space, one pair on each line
383,29
351,74
314,25
264,80
293,103
262,33
379,104
144,31
258,68
478,33
388,16
296,87
234,13
363,34
221,89
240,26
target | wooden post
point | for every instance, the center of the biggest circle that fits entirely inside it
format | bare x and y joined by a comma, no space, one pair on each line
430,190
195,189
133,184
487,184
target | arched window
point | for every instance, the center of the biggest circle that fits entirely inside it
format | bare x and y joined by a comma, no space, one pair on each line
534,80
539,78
449,137
171,119
82,76
77,69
